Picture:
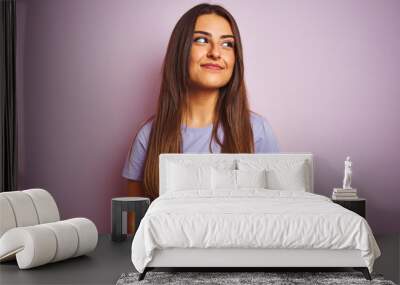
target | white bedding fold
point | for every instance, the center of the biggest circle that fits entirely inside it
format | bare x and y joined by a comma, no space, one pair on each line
250,218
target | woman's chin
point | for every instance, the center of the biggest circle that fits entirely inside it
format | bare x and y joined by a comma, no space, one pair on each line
211,84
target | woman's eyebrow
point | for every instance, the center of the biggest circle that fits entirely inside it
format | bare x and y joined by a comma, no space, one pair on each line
209,34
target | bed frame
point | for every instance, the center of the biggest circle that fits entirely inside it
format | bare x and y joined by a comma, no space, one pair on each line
240,259
246,259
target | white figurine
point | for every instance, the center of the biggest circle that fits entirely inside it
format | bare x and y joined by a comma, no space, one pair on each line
347,174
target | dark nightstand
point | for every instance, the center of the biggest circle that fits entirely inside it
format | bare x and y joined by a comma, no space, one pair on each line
126,204
357,205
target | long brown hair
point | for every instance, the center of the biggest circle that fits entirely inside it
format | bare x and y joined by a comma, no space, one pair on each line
232,108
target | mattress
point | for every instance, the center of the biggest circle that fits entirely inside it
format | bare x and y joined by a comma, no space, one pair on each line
250,219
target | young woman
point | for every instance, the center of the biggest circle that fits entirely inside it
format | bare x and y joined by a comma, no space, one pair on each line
202,105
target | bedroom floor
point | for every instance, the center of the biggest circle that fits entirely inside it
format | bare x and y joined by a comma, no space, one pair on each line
110,260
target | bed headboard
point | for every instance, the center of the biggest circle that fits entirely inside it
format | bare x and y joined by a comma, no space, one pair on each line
229,160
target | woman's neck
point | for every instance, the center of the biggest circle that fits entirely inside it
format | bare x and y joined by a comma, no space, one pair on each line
201,108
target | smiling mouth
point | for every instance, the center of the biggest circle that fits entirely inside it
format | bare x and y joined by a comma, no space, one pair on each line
211,67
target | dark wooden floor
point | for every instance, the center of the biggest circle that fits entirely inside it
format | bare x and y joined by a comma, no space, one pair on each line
110,260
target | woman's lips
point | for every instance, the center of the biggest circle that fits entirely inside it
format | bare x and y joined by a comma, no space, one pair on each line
211,66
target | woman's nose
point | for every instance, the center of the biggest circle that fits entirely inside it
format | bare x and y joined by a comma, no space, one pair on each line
214,51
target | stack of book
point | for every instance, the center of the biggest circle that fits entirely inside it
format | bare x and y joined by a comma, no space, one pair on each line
344,194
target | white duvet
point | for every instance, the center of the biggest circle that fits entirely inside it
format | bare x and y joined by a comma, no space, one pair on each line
250,218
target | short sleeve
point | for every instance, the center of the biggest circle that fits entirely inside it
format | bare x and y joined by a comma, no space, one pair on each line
264,138
134,163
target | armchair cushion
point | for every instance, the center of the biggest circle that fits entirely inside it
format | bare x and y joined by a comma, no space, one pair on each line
31,232
40,244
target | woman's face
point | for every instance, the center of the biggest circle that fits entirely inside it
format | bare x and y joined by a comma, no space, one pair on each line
212,56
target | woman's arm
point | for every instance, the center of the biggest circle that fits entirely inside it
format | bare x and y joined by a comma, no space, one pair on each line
134,189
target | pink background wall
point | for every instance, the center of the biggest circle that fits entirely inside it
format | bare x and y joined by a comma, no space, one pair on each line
324,73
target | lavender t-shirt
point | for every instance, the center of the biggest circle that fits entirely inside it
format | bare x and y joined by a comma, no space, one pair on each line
196,140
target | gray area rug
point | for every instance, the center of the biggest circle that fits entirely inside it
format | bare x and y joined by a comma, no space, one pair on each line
273,278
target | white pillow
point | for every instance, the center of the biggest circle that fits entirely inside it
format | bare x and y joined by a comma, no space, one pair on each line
236,179
287,179
251,178
187,177
281,174
223,179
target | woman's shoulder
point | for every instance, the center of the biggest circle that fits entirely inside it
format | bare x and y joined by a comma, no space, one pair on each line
264,138
143,133
133,168
258,122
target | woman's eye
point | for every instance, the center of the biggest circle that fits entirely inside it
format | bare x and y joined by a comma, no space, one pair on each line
228,44
200,40
204,40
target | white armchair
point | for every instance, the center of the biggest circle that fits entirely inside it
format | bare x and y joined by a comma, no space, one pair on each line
31,230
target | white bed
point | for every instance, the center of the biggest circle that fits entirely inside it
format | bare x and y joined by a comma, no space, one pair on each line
212,223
